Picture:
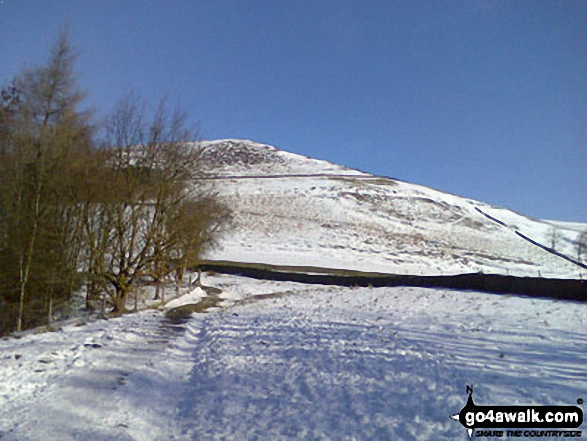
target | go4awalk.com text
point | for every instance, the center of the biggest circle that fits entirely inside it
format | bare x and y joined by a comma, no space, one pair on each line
520,421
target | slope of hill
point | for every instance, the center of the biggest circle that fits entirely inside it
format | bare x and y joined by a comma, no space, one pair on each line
296,211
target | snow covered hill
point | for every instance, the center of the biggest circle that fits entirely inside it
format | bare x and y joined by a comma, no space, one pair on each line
296,211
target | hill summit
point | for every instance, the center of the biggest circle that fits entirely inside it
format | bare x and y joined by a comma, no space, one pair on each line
291,210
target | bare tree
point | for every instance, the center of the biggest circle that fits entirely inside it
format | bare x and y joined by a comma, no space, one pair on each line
149,182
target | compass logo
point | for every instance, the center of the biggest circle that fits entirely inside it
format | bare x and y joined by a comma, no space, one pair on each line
482,420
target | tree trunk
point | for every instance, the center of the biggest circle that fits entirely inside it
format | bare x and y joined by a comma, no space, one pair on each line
50,309
90,289
119,299
157,289
103,306
26,263
199,279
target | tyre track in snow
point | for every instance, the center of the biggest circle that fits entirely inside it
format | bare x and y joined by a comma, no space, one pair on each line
278,370
268,377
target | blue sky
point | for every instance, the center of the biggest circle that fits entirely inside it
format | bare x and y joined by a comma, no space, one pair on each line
482,98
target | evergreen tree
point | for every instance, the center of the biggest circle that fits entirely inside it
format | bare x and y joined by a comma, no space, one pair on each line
44,136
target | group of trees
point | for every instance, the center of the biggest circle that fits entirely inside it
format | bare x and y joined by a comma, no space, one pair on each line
102,205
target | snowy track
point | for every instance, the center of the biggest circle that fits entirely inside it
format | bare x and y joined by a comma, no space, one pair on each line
300,379
318,363
369,372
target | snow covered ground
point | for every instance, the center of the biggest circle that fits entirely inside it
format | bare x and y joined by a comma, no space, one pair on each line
295,211
293,361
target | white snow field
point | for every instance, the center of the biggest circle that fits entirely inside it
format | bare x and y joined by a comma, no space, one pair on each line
286,361
295,211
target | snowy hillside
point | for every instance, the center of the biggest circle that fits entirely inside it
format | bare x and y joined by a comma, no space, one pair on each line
292,210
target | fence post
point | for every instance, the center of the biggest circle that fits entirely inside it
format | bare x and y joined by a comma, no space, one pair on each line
50,312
